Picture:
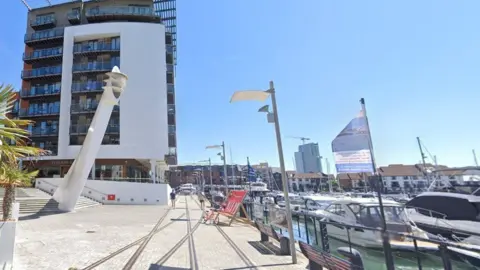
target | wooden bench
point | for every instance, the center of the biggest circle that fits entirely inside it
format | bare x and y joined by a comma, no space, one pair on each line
267,231
319,259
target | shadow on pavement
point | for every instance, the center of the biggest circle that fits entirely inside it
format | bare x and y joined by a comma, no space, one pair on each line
158,267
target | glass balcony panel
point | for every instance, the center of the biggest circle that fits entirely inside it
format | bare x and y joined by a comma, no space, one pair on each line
171,108
40,110
83,128
89,86
84,107
96,66
44,131
172,151
169,68
169,48
119,10
171,129
73,15
45,53
170,88
51,89
40,72
98,47
45,34
43,20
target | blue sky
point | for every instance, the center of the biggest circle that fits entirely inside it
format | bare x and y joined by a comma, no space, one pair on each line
416,63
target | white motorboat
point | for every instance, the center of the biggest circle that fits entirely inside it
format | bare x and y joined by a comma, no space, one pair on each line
296,202
365,212
186,189
314,203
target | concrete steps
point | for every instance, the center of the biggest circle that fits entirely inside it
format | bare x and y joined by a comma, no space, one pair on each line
43,203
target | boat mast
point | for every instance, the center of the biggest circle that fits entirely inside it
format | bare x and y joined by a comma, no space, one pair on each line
327,163
423,161
475,157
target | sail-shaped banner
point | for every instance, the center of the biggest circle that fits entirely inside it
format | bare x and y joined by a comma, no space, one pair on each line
351,147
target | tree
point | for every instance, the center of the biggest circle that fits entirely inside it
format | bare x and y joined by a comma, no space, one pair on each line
13,146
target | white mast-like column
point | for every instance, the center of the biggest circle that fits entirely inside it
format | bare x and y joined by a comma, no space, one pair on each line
69,191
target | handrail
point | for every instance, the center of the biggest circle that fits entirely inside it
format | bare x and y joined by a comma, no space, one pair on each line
96,190
444,216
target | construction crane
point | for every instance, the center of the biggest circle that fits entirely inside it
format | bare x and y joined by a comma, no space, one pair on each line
303,139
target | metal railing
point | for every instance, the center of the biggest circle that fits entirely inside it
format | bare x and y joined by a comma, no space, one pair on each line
88,107
83,129
89,86
44,53
121,10
40,91
95,66
43,21
39,112
47,131
41,72
45,35
97,47
314,230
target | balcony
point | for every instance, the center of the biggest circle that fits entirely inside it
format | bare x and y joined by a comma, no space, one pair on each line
171,129
43,22
52,111
171,88
52,53
124,13
73,17
171,109
92,67
99,47
82,129
45,36
90,107
40,92
44,72
170,68
87,87
43,131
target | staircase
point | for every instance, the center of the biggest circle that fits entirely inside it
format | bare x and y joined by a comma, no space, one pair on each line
33,201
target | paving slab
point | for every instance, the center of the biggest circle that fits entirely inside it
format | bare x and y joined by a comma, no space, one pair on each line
81,238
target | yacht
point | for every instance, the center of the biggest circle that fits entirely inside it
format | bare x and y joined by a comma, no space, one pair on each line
296,202
366,212
314,203
186,189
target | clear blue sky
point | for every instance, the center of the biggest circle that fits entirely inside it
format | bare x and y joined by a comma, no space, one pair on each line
417,64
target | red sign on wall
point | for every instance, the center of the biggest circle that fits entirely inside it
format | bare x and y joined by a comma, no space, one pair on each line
111,197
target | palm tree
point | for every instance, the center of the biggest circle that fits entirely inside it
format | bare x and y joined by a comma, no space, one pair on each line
12,176
13,146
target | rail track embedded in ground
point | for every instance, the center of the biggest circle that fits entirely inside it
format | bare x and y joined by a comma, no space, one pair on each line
127,247
191,242
174,249
248,263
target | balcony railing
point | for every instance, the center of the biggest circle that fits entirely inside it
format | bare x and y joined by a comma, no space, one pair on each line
37,92
171,129
171,108
43,22
90,107
42,72
95,66
170,88
97,47
44,131
143,14
39,112
45,35
73,17
43,54
169,68
89,86
83,129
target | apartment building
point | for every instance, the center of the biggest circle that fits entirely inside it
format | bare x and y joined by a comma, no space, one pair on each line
310,182
68,49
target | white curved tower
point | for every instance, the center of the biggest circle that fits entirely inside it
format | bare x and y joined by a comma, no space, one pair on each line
74,181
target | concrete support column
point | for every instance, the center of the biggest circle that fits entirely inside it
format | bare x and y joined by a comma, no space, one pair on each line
153,170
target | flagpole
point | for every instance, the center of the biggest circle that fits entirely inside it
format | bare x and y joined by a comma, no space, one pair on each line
386,241
248,179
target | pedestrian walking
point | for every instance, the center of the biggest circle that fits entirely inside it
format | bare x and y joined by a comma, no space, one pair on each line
173,196
201,198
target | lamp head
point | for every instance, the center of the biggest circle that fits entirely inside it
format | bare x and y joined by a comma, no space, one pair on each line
264,109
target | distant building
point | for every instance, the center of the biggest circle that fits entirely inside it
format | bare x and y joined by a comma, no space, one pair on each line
310,182
308,159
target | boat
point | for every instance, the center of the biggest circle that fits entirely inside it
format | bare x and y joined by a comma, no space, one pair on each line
316,202
186,189
365,212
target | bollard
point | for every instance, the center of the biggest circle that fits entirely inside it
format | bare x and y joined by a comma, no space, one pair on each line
353,256
263,237
284,246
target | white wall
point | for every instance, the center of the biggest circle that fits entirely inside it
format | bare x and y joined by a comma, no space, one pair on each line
143,109
125,192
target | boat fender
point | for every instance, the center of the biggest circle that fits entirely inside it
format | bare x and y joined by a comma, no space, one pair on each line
353,255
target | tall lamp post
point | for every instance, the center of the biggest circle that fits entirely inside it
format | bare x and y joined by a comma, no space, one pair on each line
272,117
209,160
224,158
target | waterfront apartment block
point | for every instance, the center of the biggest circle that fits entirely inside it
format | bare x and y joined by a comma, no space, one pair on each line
308,159
68,49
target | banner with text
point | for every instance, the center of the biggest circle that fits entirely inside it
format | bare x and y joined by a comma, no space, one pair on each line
351,147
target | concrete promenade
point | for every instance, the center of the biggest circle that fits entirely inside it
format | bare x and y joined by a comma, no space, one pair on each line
142,237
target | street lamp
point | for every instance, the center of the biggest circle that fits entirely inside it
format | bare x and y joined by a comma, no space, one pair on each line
272,117
224,158
210,168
